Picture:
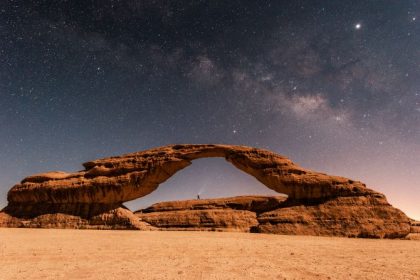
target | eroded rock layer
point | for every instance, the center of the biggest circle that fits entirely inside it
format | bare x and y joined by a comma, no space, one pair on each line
329,205
117,218
127,177
345,216
221,214
415,226
361,216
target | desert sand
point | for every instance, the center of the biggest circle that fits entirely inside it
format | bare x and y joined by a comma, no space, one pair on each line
93,254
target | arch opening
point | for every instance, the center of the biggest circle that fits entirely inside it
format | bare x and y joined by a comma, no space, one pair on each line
208,178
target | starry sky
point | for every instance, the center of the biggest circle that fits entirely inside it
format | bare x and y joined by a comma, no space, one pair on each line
333,85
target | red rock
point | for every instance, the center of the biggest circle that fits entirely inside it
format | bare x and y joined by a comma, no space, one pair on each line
210,219
361,216
415,226
219,214
250,203
127,177
317,203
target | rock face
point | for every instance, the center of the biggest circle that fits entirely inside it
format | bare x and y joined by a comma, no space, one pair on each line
363,216
317,203
415,226
118,218
415,230
221,214
345,216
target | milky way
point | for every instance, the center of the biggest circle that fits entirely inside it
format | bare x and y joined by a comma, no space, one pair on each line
334,86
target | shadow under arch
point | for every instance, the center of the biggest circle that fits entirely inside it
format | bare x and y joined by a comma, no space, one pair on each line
211,177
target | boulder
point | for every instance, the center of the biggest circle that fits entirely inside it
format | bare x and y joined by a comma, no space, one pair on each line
361,216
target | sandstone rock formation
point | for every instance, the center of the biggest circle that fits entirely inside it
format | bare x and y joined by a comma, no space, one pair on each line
415,226
221,214
118,218
362,216
317,203
345,216
415,230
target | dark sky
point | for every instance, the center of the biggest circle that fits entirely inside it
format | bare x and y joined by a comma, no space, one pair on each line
334,85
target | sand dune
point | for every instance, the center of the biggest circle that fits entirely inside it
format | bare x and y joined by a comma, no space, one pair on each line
88,254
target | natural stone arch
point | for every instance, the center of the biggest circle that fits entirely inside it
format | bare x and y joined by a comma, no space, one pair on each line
317,204
131,176
204,179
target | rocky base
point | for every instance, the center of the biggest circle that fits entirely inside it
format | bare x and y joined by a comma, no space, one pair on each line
415,230
203,220
221,214
370,217
116,218
364,216
357,216
415,226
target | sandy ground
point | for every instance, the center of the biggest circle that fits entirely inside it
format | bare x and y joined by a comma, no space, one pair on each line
86,254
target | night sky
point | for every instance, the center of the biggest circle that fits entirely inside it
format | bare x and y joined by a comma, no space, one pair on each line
333,85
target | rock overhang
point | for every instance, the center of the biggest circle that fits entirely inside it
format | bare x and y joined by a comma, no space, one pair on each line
131,176
317,203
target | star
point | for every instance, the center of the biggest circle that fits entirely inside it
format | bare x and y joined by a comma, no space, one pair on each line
358,26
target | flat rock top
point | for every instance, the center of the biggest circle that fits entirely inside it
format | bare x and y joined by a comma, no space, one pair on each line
251,203
52,175
415,223
186,151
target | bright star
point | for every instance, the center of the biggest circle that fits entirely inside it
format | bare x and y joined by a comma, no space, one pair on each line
358,26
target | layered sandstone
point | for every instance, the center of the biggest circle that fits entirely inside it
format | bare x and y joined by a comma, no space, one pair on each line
361,216
415,226
254,203
127,177
117,218
95,195
221,214
212,220
345,216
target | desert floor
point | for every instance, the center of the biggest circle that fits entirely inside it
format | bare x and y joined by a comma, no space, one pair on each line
88,254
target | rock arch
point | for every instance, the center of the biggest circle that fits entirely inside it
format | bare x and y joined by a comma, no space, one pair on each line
131,176
95,195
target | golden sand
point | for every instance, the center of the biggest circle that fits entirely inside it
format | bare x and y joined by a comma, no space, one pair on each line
89,254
